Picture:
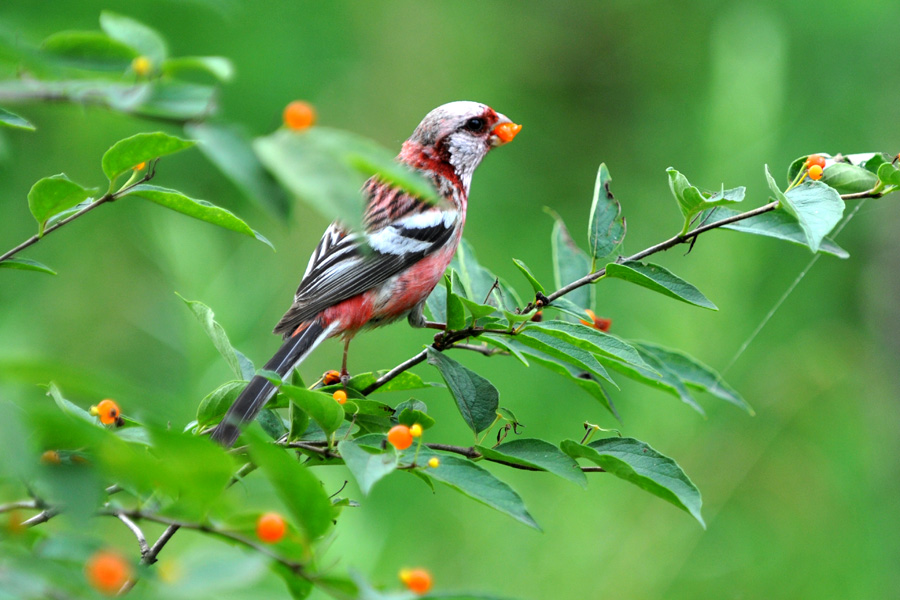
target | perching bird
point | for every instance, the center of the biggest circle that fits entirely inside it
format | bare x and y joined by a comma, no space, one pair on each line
366,279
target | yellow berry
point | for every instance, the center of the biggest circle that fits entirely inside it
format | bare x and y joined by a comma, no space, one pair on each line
142,66
416,580
434,462
340,396
107,571
270,527
415,430
50,457
815,172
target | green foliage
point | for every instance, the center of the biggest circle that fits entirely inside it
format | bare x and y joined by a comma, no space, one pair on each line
692,201
476,397
659,279
11,119
606,225
52,195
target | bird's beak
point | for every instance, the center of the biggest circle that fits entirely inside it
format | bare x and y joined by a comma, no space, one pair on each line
504,132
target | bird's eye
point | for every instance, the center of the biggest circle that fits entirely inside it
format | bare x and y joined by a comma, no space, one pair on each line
475,124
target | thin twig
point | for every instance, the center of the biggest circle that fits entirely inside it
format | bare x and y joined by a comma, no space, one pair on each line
21,504
486,350
109,197
42,517
138,533
411,362
160,544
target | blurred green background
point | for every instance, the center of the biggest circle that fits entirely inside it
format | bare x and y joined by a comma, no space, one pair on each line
800,501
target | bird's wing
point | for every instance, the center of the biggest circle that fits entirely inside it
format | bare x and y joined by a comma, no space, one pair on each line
345,264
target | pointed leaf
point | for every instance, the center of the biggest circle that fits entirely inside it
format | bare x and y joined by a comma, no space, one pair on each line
817,207
437,303
570,263
26,264
660,280
456,313
54,194
638,463
198,209
848,179
561,349
537,454
475,396
404,381
240,364
476,483
368,460
89,50
321,407
135,34
692,201
889,174
606,227
535,284
216,403
218,66
592,340
10,119
141,147
695,374
776,224
656,375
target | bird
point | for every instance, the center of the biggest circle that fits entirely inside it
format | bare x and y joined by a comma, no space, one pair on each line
356,280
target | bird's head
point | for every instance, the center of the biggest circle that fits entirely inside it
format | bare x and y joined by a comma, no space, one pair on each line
457,136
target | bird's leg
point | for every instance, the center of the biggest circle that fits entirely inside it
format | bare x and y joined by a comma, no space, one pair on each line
345,376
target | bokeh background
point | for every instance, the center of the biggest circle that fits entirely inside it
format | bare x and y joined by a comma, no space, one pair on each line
800,500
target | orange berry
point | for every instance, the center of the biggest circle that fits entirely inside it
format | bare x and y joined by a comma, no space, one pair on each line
340,396
815,159
141,65
417,581
602,324
434,462
299,115
139,167
270,527
538,316
815,172
108,411
400,437
415,430
331,377
107,571
50,457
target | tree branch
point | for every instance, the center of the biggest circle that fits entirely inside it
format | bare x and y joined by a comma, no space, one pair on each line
142,540
109,197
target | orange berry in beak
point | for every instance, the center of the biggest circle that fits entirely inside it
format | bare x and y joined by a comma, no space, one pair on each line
505,132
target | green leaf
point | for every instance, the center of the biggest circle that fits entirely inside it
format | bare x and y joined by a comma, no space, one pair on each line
535,284
132,33
368,460
176,100
695,374
476,483
817,208
218,66
216,403
299,420
240,365
477,282
403,381
142,147
69,407
660,280
10,119
848,179
297,487
570,263
413,411
271,423
198,209
475,396
437,303
606,227
478,311
227,146
692,201
889,174
327,168
26,264
592,340
638,463
536,454
54,194
561,349
776,224
321,407
562,367
456,313
89,50
656,375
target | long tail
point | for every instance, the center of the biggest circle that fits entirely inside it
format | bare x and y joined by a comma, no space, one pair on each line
260,389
